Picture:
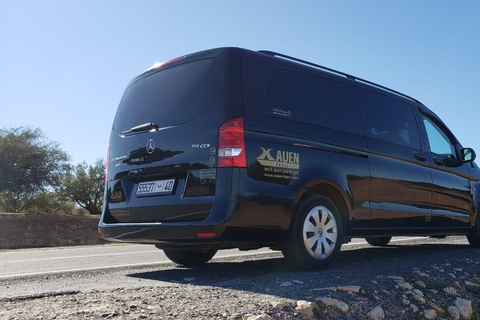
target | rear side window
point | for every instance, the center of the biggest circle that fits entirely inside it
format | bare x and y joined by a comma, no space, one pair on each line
314,100
172,96
389,119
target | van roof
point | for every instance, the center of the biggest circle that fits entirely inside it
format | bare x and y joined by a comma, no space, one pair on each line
362,82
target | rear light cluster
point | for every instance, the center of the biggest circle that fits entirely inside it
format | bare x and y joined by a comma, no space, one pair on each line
231,144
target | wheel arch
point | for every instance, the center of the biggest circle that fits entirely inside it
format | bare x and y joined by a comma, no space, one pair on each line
333,191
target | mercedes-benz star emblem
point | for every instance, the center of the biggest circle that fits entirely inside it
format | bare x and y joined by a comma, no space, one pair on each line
150,146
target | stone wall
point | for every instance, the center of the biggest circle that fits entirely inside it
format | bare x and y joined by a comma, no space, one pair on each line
47,230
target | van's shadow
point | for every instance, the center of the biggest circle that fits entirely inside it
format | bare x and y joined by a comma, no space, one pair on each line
358,266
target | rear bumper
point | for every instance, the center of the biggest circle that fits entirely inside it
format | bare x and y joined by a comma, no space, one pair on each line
165,232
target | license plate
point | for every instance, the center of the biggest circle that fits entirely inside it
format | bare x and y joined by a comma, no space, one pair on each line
155,187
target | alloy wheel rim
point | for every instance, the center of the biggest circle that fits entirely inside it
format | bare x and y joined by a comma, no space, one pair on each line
320,232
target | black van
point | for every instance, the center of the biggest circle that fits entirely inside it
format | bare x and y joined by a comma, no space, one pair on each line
231,148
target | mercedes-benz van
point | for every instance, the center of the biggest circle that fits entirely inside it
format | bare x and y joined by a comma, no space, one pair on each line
232,148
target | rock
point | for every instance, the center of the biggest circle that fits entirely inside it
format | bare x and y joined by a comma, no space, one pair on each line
421,284
405,302
433,291
450,290
404,285
454,313
421,274
297,281
306,308
340,305
286,284
418,292
374,282
439,310
414,308
471,284
262,316
420,299
376,314
430,314
351,289
464,307
458,269
441,270
276,304
326,289
394,278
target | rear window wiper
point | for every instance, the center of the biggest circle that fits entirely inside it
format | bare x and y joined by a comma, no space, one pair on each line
142,127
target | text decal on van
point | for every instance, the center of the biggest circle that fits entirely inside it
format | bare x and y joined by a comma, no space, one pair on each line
285,164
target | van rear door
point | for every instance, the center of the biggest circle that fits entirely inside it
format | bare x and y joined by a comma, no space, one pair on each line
163,146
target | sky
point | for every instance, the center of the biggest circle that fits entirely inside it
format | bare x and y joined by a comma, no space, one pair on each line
65,64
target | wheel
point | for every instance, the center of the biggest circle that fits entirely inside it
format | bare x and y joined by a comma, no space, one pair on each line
474,236
190,257
315,235
378,241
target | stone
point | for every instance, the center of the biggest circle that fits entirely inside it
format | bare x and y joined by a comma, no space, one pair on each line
376,314
297,281
405,302
464,306
262,316
286,284
471,284
306,308
404,285
418,292
421,284
439,310
340,305
350,289
276,304
454,313
414,308
326,289
395,278
421,274
450,290
420,299
430,314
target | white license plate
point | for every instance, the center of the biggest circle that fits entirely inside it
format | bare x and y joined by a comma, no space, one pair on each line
155,187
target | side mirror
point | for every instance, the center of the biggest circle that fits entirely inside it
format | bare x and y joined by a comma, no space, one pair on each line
467,154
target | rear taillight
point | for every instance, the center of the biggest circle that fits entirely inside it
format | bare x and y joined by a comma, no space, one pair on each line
231,144
107,165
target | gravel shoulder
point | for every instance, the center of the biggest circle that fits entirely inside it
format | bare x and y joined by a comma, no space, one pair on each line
429,279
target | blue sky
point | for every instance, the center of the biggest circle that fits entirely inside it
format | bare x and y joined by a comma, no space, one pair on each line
64,64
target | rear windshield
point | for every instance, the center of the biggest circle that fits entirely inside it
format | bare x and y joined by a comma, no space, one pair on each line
172,96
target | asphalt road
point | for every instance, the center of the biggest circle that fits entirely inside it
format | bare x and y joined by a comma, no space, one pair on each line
80,269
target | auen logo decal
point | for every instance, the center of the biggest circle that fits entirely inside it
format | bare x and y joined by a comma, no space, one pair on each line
283,159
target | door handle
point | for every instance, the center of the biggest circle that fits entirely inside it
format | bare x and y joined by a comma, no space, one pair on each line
438,161
419,156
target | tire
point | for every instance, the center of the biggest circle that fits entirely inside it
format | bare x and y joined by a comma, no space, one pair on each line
315,235
378,241
190,257
474,236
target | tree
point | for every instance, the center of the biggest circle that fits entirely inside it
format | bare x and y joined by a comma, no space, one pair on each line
84,184
29,164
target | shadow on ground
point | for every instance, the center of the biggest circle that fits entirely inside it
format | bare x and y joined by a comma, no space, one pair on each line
353,267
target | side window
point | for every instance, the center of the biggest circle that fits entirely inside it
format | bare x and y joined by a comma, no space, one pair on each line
389,119
313,100
438,140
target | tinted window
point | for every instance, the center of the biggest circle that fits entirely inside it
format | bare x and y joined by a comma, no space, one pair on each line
389,119
313,100
173,96
438,139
